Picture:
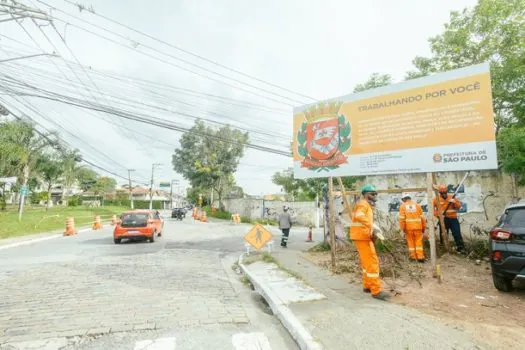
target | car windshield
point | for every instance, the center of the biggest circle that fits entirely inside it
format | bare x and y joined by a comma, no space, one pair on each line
515,217
134,220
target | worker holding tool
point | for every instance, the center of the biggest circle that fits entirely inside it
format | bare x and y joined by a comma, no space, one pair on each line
364,232
449,206
413,223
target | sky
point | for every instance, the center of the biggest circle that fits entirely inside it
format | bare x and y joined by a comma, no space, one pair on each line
314,49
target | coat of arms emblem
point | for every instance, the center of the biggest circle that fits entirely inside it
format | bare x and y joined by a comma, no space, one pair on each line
324,137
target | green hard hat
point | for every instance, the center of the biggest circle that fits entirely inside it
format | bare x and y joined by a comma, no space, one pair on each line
368,188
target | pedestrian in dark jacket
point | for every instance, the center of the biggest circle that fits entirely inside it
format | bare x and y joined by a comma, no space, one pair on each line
285,224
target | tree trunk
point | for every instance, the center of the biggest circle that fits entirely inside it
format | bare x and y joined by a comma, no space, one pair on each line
49,185
22,197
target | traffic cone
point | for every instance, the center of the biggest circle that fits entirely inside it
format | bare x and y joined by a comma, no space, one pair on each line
97,225
203,217
309,237
70,227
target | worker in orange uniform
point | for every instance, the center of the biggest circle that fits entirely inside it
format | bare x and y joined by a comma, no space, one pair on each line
413,223
449,206
362,232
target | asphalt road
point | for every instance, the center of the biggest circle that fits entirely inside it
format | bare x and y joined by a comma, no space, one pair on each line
180,292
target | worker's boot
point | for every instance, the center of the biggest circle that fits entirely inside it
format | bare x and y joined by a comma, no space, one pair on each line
382,296
366,290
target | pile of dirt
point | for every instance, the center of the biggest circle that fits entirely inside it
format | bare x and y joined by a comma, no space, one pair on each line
466,298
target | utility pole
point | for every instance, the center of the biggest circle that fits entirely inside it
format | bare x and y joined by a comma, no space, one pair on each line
130,188
171,191
153,166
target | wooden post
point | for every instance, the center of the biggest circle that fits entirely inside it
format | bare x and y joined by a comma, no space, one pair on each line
443,231
348,206
331,218
431,233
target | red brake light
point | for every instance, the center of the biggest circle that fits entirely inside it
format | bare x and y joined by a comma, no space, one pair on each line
500,234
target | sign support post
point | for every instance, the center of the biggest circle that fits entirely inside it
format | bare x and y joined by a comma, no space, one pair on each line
331,215
431,233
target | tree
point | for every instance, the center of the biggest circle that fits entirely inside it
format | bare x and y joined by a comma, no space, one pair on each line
511,152
72,169
208,157
87,178
21,146
50,169
374,81
494,31
104,185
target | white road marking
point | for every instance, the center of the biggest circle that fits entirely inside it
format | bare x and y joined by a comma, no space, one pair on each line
29,241
169,343
250,341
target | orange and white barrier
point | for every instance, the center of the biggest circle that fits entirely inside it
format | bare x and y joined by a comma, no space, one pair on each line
203,218
70,227
97,225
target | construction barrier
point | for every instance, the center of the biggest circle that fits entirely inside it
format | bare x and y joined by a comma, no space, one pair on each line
70,227
309,237
97,225
237,219
204,218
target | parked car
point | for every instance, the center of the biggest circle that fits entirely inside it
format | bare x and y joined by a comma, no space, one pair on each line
138,224
507,247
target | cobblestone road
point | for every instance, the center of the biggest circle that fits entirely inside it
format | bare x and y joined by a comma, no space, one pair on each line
84,286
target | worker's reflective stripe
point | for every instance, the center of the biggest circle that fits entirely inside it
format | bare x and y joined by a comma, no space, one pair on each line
359,214
411,249
357,224
419,248
401,217
451,211
372,275
413,220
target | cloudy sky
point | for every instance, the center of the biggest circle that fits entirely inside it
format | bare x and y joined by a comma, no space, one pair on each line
304,48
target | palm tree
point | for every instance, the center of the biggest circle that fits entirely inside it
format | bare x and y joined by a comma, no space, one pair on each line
71,170
21,145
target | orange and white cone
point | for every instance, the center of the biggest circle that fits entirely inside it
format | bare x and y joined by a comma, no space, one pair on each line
70,227
97,225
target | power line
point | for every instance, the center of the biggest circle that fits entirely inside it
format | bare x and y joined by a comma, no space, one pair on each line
173,57
190,53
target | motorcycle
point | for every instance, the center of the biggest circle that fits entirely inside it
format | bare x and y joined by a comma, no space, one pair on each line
178,214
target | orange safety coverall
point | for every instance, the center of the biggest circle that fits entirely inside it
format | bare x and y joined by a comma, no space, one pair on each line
452,211
361,234
413,223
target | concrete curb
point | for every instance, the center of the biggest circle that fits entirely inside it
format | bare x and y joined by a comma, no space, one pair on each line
292,324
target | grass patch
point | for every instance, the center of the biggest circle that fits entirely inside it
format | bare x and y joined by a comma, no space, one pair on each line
245,280
320,247
37,220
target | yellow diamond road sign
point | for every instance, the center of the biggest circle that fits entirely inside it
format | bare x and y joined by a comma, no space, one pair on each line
258,236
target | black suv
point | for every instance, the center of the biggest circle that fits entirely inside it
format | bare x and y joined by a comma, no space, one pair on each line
507,247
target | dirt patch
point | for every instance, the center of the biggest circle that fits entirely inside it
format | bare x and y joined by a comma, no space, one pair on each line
466,298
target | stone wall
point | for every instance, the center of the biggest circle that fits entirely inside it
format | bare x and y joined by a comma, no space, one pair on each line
484,196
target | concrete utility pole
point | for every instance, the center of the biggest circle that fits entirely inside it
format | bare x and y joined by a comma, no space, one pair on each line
130,188
153,166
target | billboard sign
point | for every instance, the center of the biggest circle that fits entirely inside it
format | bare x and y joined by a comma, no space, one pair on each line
165,184
444,122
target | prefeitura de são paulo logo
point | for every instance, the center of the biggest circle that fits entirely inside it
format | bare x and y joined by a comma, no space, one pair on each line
324,137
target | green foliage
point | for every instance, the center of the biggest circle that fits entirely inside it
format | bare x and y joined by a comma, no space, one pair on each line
219,214
375,80
137,204
86,178
307,189
208,157
264,221
74,201
320,247
104,185
494,31
511,151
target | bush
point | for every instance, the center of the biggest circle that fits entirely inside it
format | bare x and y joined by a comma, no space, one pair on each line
74,201
137,204
264,221
224,215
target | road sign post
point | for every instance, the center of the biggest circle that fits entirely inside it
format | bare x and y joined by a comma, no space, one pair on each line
258,237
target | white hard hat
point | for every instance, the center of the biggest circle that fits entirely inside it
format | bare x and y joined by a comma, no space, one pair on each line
405,195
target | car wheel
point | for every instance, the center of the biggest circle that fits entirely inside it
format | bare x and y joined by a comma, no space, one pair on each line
152,238
116,240
502,284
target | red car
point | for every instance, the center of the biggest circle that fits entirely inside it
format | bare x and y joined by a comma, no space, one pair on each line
138,224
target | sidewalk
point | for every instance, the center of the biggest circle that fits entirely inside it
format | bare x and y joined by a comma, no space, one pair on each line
338,315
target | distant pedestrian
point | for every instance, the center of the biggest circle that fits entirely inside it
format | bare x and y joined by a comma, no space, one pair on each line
285,224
